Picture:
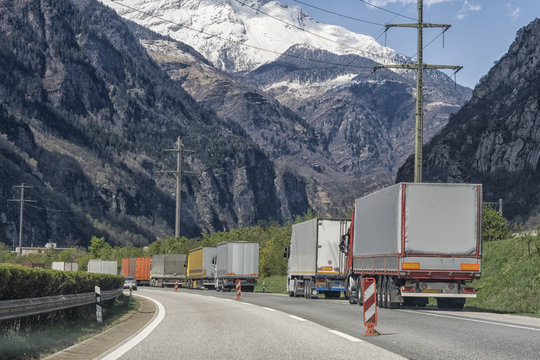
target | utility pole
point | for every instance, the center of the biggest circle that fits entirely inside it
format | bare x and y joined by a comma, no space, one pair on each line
419,66
22,200
178,173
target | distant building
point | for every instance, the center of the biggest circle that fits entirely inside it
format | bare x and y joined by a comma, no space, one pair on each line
40,250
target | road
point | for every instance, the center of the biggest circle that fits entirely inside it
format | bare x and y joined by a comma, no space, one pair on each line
209,324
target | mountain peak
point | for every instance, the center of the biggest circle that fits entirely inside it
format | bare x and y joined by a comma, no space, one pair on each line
239,36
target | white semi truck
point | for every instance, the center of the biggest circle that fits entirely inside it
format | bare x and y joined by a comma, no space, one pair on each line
236,261
418,241
316,266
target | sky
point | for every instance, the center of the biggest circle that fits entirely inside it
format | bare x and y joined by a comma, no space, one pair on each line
481,32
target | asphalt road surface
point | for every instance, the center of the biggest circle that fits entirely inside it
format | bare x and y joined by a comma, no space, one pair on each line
205,324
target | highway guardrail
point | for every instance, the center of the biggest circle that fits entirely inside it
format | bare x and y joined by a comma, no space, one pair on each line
13,309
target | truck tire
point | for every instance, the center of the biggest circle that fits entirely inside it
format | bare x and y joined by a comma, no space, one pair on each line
359,292
378,287
391,286
384,292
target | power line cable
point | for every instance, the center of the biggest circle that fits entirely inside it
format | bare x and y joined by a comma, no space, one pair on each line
338,14
309,32
238,42
389,11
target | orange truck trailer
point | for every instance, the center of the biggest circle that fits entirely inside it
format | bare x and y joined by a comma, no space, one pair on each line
138,267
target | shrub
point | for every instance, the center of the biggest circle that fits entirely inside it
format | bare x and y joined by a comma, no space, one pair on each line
17,282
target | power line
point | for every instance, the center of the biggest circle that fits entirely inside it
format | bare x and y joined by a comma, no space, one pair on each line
419,66
22,201
234,41
178,173
338,14
383,9
309,32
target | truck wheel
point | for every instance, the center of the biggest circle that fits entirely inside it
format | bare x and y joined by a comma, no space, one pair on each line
391,286
352,298
378,287
384,293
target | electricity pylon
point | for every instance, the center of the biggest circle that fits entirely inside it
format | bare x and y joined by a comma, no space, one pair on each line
419,66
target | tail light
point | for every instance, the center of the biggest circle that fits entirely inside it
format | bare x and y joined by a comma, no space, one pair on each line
408,289
468,290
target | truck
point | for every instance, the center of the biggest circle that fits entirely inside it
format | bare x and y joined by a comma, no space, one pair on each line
200,268
418,241
236,261
316,266
167,269
138,267
64,266
103,266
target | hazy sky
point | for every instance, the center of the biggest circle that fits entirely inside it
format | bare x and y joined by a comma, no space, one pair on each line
481,32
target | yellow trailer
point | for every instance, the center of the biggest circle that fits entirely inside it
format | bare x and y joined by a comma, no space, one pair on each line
201,268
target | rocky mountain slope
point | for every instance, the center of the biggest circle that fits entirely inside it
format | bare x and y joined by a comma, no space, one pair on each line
364,123
297,150
495,138
84,114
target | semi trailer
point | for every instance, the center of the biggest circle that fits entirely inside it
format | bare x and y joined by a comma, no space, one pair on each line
236,261
138,267
167,269
418,241
316,266
103,267
200,267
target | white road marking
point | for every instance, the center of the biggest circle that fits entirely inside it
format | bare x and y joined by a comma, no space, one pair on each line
267,308
473,320
141,335
297,318
345,336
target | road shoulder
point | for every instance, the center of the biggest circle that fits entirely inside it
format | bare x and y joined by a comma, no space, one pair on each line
101,343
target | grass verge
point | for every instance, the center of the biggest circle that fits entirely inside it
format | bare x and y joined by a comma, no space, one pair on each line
272,284
47,340
510,280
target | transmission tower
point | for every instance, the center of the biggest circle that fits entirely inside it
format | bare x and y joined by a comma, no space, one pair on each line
22,200
178,173
419,66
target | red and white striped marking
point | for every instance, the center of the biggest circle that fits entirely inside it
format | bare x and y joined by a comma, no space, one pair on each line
370,306
238,289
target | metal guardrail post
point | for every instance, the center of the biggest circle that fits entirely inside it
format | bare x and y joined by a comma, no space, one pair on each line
99,312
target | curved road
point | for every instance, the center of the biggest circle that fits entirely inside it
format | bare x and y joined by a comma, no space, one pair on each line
211,325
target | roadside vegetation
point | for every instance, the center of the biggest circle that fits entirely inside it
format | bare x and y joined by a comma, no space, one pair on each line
70,327
510,266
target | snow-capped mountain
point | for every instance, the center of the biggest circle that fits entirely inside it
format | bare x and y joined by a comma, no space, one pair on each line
241,35
363,125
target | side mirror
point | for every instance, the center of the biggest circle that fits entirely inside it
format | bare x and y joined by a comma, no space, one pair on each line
285,253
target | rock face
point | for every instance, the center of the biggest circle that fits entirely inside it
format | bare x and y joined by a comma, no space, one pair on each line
495,138
367,120
84,115
335,125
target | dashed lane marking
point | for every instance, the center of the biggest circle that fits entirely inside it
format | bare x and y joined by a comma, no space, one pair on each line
297,318
345,336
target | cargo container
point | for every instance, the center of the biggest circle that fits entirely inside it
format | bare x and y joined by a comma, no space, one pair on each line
316,266
103,267
200,268
128,267
138,267
418,241
236,261
168,269
64,266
